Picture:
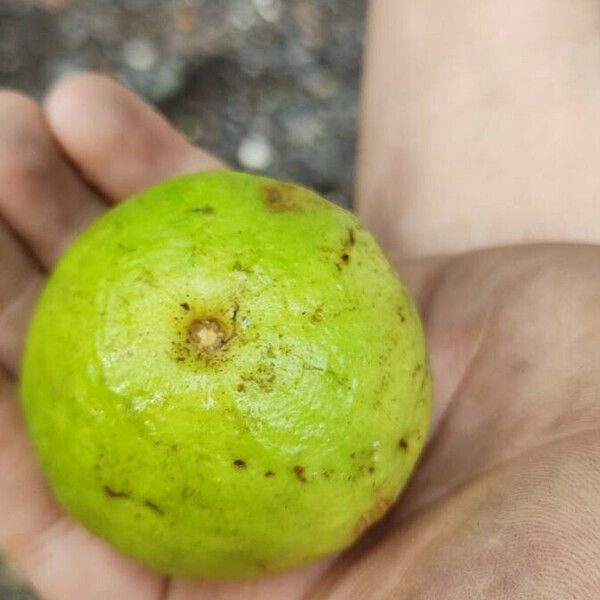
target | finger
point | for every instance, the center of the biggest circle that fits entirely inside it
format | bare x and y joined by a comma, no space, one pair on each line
61,559
41,197
292,585
120,143
20,281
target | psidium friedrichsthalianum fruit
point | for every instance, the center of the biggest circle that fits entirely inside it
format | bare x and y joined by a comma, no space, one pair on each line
225,377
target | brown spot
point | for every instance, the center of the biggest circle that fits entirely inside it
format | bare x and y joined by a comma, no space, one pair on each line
263,377
234,314
403,445
317,316
345,251
207,335
400,313
115,494
241,388
279,196
372,515
269,474
241,268
327,473
299,472
185,306
204,210
239,463
157,509
351,237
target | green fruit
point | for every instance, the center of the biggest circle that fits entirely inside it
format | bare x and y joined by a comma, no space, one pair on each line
225,377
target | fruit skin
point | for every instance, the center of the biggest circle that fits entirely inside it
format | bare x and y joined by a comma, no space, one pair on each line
268,444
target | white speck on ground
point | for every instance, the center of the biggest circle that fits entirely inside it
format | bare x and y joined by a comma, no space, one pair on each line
269,10
140,55
255,153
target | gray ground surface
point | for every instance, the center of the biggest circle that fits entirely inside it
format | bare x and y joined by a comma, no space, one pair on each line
270,85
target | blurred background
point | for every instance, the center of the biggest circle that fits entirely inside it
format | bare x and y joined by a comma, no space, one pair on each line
268,85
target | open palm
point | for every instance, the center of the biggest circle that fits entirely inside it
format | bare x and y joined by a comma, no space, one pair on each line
505,503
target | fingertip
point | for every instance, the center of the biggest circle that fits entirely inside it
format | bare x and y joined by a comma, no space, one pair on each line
68,95
11,99
120,142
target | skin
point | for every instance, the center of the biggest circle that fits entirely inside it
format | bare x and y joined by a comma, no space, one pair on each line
507,497
202,346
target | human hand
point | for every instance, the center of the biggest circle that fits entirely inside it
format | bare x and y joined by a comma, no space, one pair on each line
505,502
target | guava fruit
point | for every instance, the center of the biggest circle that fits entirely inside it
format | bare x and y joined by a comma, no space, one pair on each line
224,377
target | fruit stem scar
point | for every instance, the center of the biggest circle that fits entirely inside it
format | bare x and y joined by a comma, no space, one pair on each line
207,335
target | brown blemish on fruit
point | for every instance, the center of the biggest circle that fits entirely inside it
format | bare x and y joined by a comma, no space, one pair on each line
204,210
400,313
327,473
207,335
403,445
373,515
347,245
300,473
154,507
111,493
185,306
240,268
269,474
351,237
234,314
241,388
263,377
317,316
279,196
238,463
